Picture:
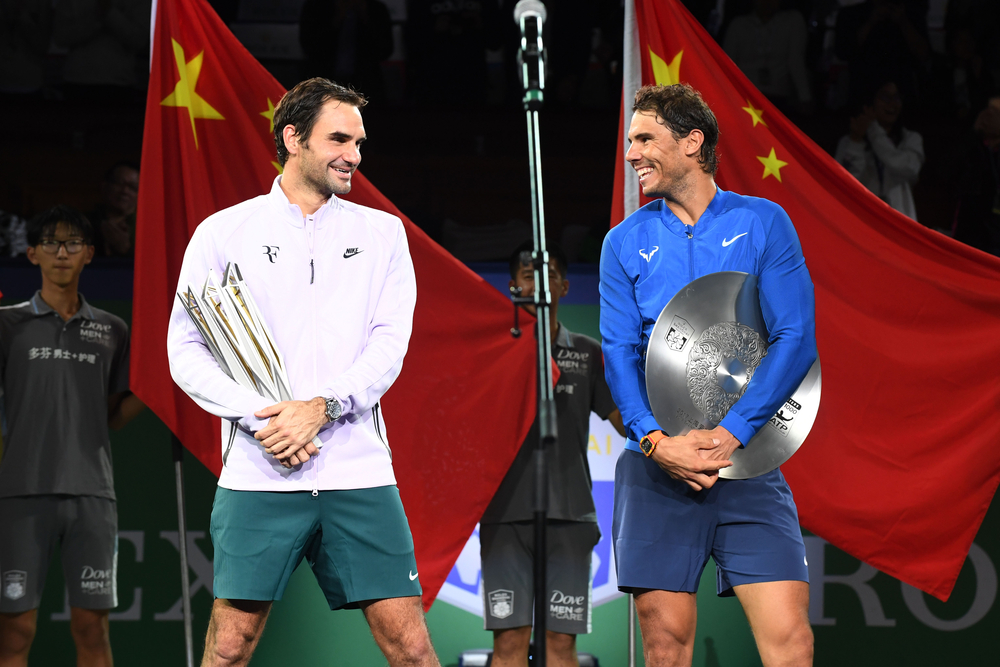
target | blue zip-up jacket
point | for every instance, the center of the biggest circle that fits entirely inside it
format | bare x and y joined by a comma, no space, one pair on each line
651,255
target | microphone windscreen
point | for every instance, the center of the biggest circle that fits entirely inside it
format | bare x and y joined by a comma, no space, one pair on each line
529,7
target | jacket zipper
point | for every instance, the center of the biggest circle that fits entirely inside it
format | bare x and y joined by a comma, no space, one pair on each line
310,234
690,236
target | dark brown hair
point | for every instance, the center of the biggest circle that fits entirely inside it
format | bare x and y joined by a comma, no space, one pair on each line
301,105
680,108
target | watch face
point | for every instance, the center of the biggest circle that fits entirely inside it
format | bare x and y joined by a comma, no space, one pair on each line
646,445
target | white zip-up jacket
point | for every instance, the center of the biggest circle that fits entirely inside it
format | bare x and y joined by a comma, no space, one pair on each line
337,290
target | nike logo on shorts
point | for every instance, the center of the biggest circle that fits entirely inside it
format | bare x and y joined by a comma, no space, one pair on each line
728,242
413,575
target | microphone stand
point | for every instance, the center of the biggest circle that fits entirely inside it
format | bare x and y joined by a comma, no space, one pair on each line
531,56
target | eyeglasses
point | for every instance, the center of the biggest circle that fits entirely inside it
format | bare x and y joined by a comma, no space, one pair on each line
72,246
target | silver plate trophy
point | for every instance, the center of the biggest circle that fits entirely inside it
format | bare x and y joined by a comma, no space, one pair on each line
702,354
231,325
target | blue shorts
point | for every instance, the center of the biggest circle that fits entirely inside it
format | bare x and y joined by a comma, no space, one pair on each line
664,531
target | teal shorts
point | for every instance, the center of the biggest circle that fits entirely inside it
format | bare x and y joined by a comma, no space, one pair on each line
357,542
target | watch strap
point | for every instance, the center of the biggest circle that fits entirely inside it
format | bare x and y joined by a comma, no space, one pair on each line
649,441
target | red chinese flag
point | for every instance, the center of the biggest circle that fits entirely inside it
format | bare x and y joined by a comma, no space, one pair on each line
465,399
903,459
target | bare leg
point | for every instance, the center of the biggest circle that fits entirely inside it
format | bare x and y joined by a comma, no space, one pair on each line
560,649
233,631
778,612
399,629
510,647
90,631
17,631
667,620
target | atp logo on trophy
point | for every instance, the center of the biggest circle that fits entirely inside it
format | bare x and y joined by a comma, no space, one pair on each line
782,420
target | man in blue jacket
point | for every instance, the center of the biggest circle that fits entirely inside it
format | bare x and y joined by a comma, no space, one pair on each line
671,509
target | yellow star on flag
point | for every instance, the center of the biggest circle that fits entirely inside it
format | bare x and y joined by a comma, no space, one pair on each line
269,115
772,165
184,94
756,114
666,75
277,166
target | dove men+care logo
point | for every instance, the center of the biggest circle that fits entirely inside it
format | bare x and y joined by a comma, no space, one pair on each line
97,582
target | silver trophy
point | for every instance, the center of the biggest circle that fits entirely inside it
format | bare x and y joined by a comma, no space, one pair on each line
702,354
231,325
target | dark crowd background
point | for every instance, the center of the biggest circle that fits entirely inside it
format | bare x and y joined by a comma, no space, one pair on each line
447,138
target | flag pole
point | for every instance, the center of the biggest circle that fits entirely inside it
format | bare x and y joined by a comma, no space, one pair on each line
530,15
631,630
178,454
631,81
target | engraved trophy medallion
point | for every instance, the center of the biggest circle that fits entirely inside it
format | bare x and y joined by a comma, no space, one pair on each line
703,352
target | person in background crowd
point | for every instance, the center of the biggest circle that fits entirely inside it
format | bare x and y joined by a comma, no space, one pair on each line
114,217
25,30
977,220
884,39
64,367
769,46
506,529
881,153
347,40
13,235
971,77
108,43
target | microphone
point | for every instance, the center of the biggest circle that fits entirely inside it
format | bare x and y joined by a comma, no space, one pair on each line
530,16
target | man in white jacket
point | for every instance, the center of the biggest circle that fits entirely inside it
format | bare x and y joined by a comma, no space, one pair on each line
335,283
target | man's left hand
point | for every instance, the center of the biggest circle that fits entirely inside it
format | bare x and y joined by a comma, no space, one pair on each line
722,451
292,426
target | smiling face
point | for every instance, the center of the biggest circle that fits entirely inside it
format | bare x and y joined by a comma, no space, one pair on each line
663,163
324,161
61,268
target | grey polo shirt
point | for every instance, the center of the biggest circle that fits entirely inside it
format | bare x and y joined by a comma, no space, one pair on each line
581,389
57,377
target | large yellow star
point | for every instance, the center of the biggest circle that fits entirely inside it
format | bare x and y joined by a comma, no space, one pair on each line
756,114
664,74
184,94
772,165
269,115
277,166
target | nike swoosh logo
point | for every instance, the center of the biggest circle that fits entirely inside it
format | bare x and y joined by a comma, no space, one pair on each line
728,242
348,254
413,575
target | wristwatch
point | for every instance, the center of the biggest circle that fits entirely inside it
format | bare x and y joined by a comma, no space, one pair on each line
333,409
650,440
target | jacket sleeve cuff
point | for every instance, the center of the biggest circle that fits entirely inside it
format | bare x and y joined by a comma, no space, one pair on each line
738,426
251,424
643,426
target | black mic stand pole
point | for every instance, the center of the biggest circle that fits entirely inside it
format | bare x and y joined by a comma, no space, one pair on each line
530,16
